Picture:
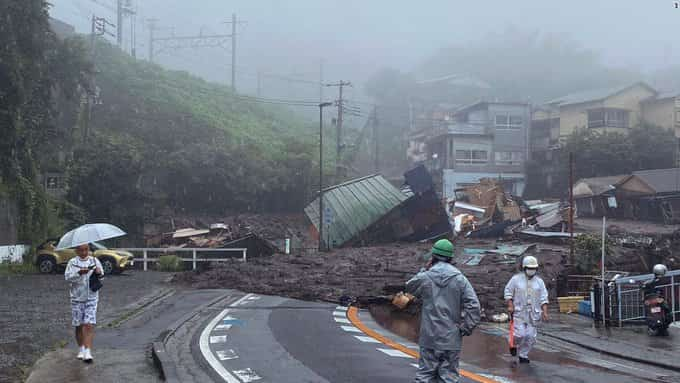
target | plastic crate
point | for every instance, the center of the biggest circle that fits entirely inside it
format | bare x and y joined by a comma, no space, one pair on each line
585,308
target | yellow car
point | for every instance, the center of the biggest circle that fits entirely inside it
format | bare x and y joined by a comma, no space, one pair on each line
113,261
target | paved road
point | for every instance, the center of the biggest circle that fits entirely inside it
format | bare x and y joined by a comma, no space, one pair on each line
269,339
242,338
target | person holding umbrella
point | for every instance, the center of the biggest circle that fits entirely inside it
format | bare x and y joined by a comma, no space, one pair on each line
84,291
83,300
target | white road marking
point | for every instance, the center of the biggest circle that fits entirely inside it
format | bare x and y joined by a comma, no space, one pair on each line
218,339
397,353
342,320
339,314
350,329
226,355
254,298
222,327
415,365
498,379
341,308
247,375
366,339
204,344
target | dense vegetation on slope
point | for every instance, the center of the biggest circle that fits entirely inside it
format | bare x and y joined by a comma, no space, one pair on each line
36,69
157,143
165,142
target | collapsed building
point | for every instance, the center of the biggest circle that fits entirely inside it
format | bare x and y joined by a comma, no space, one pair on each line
370,210
648,195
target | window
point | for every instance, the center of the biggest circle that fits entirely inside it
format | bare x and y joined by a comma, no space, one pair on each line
472,156
509,158
507,121
608,117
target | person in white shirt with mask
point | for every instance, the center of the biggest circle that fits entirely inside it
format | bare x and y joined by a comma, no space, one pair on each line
527,299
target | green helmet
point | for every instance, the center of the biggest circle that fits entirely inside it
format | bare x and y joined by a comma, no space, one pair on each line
443,248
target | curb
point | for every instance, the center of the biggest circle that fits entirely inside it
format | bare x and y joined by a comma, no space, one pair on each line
159,354
602,350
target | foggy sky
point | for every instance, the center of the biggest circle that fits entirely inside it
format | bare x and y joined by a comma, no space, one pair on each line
357,37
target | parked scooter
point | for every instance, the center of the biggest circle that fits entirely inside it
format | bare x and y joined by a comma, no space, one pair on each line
657,312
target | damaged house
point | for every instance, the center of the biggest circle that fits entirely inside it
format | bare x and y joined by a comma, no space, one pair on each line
646,195
370,210
595,197
650,195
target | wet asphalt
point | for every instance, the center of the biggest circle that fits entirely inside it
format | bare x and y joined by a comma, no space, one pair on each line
35,314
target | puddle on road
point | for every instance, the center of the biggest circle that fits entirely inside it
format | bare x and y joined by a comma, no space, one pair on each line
490,352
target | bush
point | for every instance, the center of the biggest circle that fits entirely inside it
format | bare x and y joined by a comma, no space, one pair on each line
170,263
588,248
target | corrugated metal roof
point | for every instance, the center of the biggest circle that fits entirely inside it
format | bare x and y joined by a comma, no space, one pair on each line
593,94
354,206
661,180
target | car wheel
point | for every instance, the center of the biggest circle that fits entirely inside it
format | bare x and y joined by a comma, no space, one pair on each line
47,265
108,265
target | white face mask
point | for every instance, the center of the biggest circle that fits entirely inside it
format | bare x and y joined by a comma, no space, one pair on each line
530,272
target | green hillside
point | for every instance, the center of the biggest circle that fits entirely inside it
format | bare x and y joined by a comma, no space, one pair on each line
166,142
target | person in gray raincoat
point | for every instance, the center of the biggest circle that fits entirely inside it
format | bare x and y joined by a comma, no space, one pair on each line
450,310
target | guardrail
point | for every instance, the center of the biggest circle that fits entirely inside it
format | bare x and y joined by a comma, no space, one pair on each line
145,259
627,297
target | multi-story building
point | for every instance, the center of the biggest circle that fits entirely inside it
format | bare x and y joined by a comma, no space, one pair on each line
617,109
481,140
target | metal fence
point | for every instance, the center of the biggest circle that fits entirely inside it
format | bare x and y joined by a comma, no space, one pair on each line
151,254
626,297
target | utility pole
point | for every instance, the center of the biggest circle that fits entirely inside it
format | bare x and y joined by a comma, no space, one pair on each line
571,208
234,22
321,223
119,22
259,83
152,29
233,52
376,138
338,125
321,80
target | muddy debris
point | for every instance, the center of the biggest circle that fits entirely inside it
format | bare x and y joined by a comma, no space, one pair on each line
366,274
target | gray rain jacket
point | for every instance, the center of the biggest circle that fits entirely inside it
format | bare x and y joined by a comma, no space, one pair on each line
450,306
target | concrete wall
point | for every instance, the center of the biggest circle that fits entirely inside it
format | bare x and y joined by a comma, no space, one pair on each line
510,140
660,112
9,217
573,117
631,99
576,116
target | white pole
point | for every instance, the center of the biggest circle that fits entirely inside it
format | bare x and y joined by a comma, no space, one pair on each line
604,233
194,259
145,260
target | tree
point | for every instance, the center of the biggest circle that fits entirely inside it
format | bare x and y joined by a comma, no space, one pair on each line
599,154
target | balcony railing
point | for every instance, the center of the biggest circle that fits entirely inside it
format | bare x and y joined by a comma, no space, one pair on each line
467,128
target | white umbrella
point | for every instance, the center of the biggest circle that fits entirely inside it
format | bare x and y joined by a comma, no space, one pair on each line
89,233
